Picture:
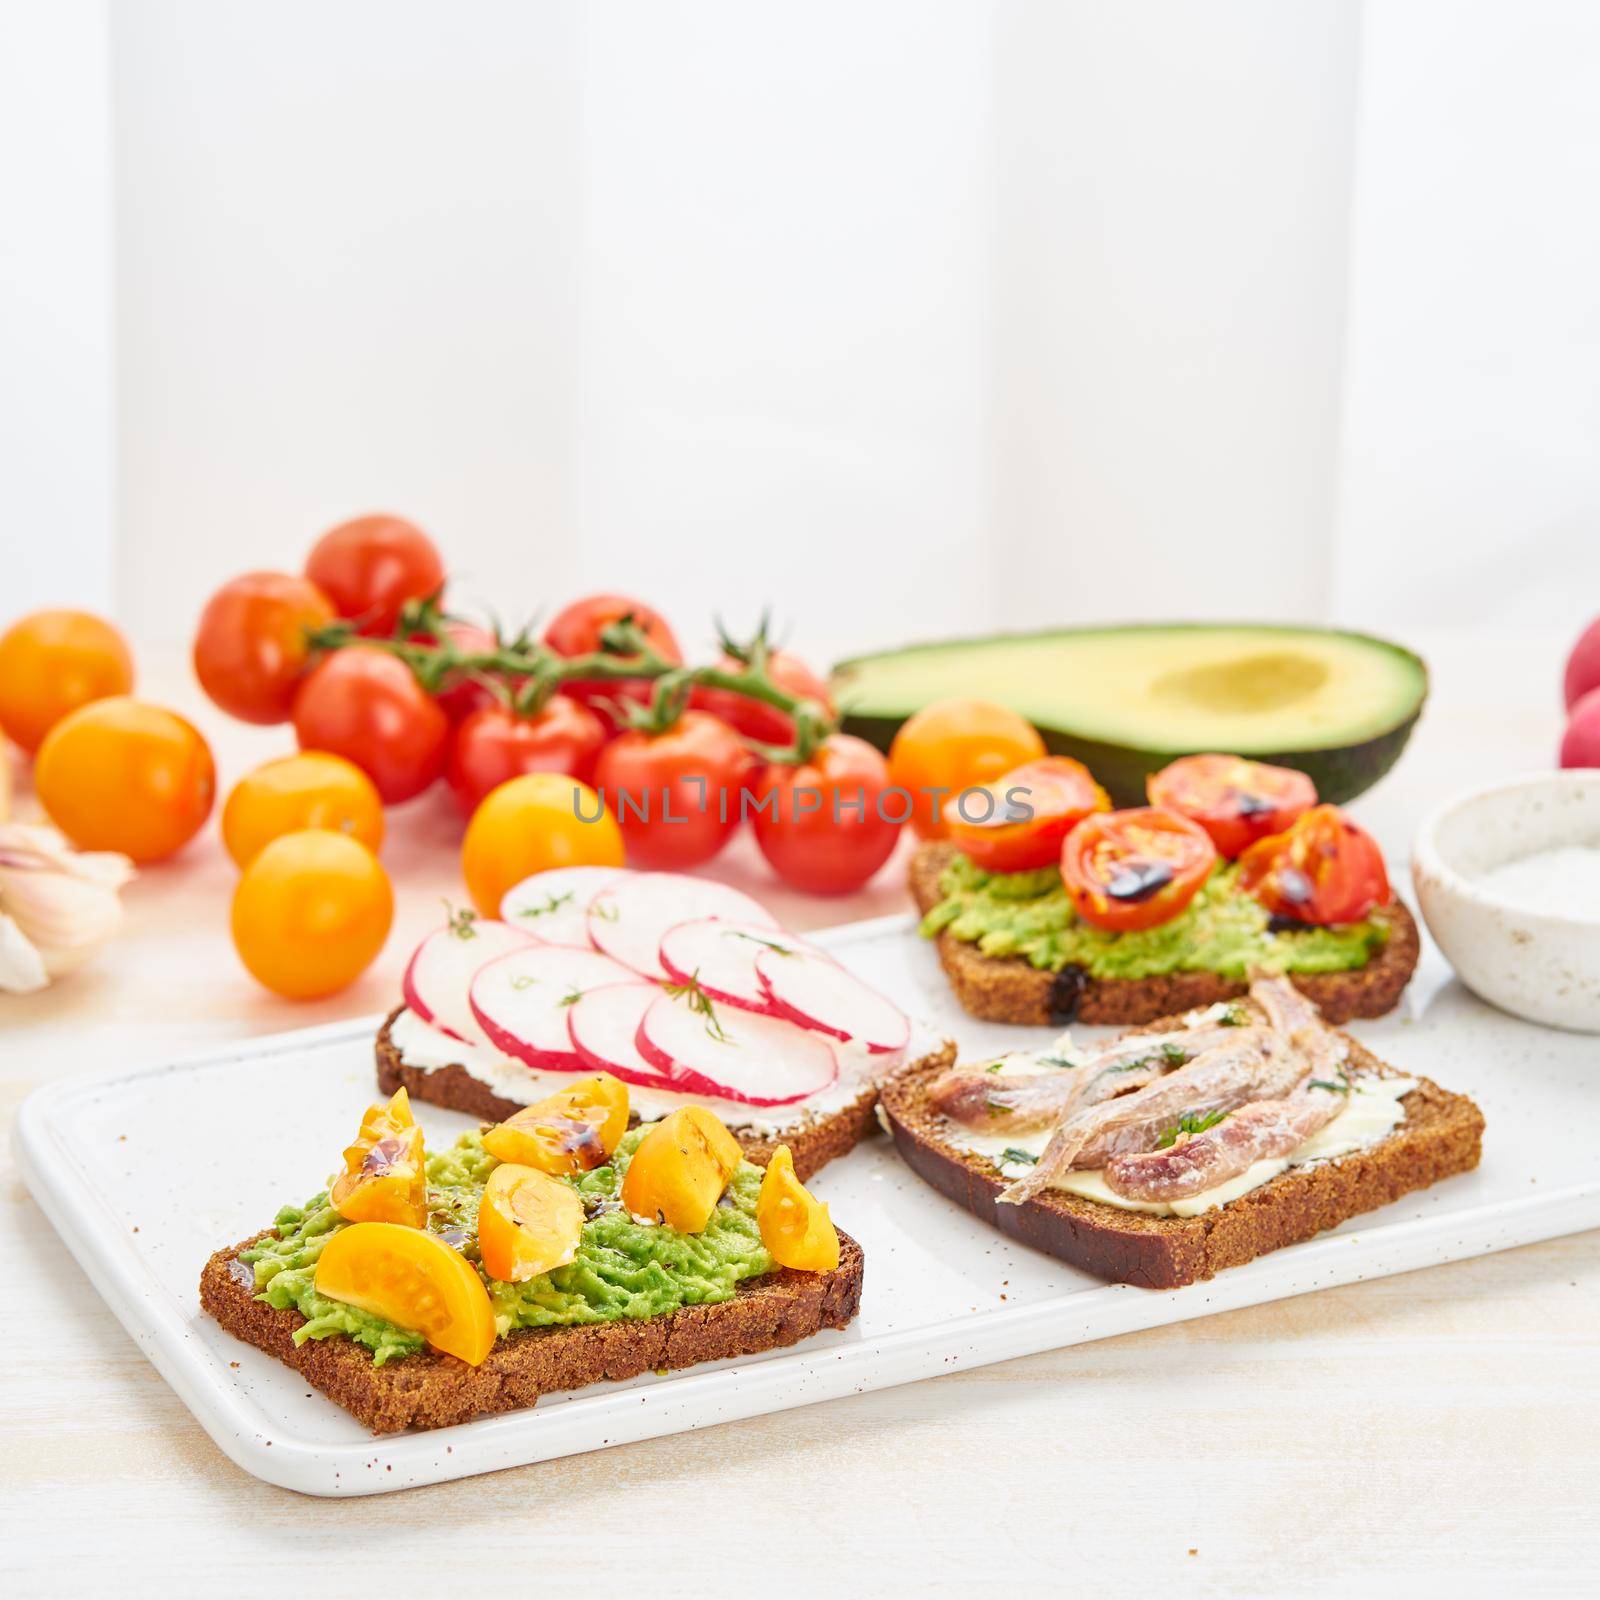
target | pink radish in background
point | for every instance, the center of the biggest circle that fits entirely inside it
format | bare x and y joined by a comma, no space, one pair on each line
604,1028
816,992
629,919
439,974
731,1054
521,1001
1580,744
553,906
721,957
1583,670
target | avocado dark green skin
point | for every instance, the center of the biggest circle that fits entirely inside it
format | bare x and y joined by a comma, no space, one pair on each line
1340,772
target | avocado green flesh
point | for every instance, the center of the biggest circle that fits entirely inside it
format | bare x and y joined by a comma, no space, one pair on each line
1222,930
1125,701
622,1269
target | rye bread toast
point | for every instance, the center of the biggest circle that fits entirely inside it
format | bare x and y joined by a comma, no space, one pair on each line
1009,989
1440,1136
433,1390
813,1144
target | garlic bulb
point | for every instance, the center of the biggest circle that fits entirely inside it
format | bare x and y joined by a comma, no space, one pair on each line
57,905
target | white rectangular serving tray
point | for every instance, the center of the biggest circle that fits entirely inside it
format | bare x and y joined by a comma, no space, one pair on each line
145,1171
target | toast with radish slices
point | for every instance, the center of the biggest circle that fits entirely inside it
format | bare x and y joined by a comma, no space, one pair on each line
681,987
980,1135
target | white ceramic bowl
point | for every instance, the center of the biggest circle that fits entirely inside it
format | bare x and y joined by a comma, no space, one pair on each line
1542,966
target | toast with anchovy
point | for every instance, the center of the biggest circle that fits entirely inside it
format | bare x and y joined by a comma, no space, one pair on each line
813,1142
1010,989
434,1390
1439,1136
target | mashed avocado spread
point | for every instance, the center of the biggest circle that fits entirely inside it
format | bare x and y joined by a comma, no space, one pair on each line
1222,930
622,1269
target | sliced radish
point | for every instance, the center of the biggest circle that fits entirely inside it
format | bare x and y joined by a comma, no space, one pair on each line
817,992
553,905
521,1001
628,920
604,1025
721,958
733,1054
439,973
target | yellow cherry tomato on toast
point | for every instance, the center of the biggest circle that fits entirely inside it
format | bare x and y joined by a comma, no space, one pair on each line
574,1130
528,1223
680,1169
796,1229
385,1177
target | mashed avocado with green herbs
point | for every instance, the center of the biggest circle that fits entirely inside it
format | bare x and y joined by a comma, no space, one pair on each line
622,1268
1222,930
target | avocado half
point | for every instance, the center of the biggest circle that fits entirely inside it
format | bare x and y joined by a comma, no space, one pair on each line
1127,700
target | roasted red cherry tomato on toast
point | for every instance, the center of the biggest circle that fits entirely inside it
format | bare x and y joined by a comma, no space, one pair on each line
827,825
370,566
1127,870
755,719
1019,821
1323,870
366,705
1234,800
496,743
675,794
577,631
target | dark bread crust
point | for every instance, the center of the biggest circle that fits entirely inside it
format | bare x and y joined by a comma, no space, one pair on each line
1008,989
431,1390
813,1145
1441,1135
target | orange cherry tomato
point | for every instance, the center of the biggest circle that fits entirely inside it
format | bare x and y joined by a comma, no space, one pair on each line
250,650
1058,792
680,1169
124,775
310,790
1134,869
954,745
528,1223
51,663
796,1229
412,1279
310,913
1323,870
370,566
1234,800
574,1130
530,824
385,1177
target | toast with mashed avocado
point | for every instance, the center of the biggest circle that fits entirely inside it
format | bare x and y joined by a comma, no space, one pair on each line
555,1250
1177,1150
1015,950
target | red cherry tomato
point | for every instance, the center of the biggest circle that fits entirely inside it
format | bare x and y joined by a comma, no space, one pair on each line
495,744
366,705
827,825
576,631
461,695
1234,800
1323,870
369,567
1126,870
250,650
675,794
755,719
1059,791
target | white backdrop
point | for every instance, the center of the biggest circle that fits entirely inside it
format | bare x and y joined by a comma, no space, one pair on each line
907,317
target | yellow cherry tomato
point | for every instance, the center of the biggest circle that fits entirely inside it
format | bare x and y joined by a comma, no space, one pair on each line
954,745
311,790
120,774
385,1177
412,1279
53,662
529,824
310,913
528,1223
796,1229
680,1169
574,1130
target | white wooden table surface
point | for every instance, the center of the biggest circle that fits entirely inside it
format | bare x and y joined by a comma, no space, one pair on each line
1436,1432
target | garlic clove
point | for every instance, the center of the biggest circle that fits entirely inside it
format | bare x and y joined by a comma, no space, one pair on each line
22,970
65,919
